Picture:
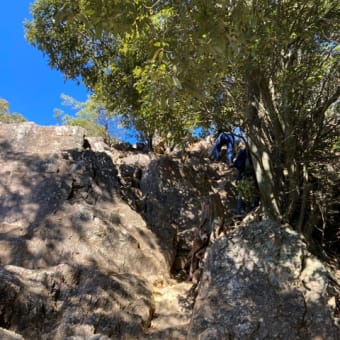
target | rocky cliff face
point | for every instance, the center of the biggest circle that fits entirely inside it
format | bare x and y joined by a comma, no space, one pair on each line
92,239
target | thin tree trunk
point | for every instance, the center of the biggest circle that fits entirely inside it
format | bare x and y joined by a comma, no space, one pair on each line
261,149
305,192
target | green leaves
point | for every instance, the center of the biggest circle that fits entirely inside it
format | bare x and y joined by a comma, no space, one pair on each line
90,115
154,61
173,66
9,117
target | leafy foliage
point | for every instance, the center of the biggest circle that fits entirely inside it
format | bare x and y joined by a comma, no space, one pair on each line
128,61
248,190
9,117
91,115
173,66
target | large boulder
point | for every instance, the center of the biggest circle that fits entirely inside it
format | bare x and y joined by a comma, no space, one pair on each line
260,282
64,205
76,259
168,192
32,138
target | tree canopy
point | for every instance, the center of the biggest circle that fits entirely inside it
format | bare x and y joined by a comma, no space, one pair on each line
173,66
9,117
91,115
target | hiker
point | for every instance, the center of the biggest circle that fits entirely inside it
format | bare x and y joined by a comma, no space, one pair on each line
246,183
229,139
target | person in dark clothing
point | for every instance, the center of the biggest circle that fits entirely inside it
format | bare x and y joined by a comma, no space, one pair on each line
229,140
246,182
240,163
226,139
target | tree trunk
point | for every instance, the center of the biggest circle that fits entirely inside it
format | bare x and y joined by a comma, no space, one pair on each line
273,143
261,147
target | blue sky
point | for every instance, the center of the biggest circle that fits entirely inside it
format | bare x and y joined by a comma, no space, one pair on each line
30,86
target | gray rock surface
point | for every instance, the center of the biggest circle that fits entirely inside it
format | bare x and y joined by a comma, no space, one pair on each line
89,235
260,282
76,259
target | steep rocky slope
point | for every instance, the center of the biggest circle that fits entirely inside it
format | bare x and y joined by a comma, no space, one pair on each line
95,242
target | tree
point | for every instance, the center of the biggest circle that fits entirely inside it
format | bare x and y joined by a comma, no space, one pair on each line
9,117
163,63
91,115
128,70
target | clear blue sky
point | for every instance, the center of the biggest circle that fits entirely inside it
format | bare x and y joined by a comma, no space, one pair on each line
30,86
